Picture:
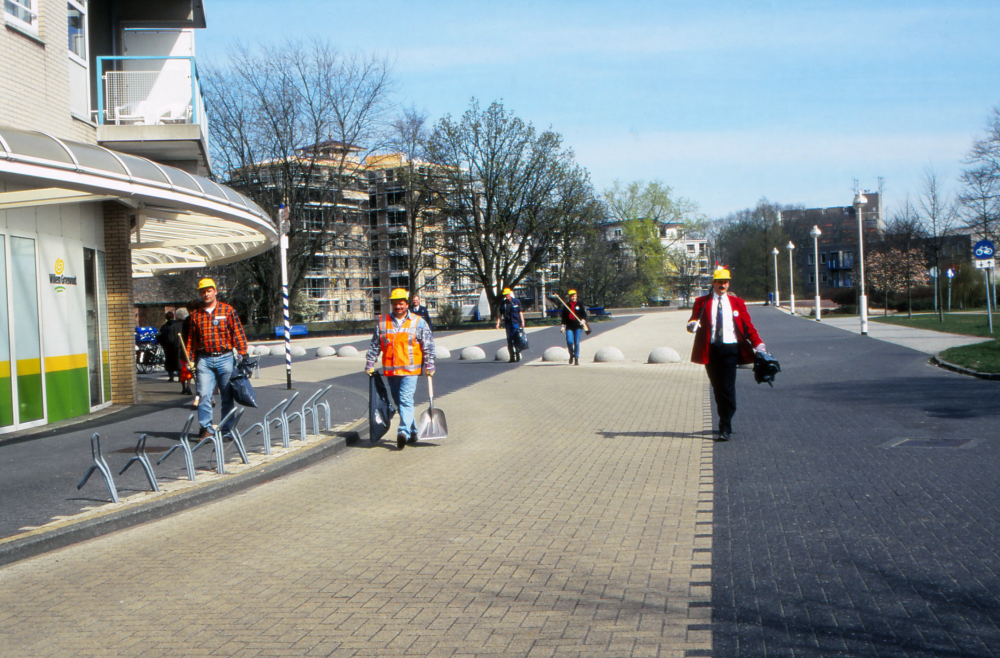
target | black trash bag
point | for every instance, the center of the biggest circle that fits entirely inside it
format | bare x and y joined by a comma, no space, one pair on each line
765,367
381,407
240,386
520,340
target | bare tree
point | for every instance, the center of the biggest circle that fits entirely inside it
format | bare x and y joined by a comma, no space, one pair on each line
288,122
511,193
744,240
905,233
937,219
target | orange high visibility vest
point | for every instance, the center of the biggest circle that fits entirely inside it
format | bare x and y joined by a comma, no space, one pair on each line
401,353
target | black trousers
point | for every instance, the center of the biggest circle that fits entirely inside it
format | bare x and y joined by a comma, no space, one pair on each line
721,368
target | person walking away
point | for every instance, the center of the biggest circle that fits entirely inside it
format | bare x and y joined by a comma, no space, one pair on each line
422,311
169,339
512,316
724,337
573,326
182,323
215,332
407,346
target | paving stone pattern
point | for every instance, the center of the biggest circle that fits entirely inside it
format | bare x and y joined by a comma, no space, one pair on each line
569,514
829,543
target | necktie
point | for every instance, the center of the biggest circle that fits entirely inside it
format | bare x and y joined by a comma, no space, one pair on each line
718,321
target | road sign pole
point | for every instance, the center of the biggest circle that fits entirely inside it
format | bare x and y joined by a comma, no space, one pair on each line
989,310
283,213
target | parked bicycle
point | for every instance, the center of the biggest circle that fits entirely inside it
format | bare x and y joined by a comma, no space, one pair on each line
149,355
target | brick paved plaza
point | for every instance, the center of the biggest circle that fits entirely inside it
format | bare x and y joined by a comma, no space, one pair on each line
579,511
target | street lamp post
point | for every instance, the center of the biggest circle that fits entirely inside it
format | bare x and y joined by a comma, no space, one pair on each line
791,280
859,202
777,302
815,233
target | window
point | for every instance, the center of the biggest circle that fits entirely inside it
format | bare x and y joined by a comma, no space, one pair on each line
22,13
691,248
809,260
77,30
822,258
79,78
349,305
336,306
822,277
618,233
812,278
432,304
362,306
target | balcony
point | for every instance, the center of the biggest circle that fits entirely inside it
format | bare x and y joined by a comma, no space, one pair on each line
153,107
835,264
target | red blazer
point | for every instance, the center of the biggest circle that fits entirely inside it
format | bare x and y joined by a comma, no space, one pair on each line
746,334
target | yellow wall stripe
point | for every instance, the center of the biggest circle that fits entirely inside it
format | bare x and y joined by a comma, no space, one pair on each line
58,363
4,369
29,367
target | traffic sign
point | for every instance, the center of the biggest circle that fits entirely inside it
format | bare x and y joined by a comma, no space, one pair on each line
985,264
951,273
984,249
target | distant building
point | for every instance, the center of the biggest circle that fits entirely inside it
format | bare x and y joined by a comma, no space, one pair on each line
688,266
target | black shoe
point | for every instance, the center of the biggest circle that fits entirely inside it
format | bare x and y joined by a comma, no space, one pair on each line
576,361
401,441
413,438
187,391
511,360
518,356
725,435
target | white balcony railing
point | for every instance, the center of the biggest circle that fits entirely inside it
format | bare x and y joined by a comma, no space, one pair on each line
150,91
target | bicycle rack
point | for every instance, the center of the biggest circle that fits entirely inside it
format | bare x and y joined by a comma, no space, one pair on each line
99,465
265,425
140,456
282,421
318,403
185,446
237,437
301,415
216,437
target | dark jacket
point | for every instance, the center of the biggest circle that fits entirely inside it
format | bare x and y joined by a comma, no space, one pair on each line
169,338
510,311
569,320
424,313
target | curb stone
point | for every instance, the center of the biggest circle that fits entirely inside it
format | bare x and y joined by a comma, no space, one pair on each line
941,363
65,533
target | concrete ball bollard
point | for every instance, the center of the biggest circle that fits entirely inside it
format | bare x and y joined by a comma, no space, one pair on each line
278,350
502,355
472,353
608,355
442,353
298,351
347,350
263,350
555,354
664,355
326,350
251,349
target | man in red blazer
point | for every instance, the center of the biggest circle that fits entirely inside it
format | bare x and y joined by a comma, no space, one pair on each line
724,337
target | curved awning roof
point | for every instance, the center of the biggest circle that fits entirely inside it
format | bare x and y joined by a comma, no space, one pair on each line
182,220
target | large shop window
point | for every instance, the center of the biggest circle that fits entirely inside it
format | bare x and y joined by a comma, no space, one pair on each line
27,344
102,303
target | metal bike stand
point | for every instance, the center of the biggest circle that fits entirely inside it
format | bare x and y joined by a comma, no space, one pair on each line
236,436
283,421
264,427
140,456
99,465
302,414
319,403
185,446
215,436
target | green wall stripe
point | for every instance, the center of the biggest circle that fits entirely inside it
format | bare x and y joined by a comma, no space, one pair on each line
6,403
68,393
29,397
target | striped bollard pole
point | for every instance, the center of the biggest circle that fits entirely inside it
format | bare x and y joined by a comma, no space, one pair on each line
283,213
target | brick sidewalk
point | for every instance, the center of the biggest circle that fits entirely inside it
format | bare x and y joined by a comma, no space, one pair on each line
569,514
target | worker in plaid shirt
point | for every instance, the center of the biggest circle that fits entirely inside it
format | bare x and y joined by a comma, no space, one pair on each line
215,332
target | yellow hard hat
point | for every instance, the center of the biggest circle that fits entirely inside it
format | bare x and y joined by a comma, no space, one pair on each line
399,293
721,273
571,292
206,283
506,291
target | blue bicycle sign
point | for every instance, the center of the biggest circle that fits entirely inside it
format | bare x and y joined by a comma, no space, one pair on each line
984,250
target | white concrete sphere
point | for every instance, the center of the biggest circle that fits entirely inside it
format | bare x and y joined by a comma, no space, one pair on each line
278,350
554,354
263,350
664,355
326,350
298,351
502,355
441,352
472,353
251,349
347,350
608,355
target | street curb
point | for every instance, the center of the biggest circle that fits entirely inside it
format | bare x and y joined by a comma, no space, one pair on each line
992,376
44,540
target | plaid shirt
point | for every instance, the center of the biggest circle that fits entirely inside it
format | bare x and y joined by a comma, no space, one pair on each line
219,332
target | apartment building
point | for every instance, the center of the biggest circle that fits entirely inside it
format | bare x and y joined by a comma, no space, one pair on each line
103,147
688,266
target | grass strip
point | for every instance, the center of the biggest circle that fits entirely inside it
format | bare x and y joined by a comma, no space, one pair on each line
974,324
981,357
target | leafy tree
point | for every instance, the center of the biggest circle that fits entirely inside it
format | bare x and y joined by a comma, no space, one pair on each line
599,273
511,193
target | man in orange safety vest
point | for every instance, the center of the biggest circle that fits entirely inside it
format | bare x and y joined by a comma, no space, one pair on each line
407,346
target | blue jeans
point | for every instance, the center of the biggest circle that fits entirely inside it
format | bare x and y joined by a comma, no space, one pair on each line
403,389
573,342
214,370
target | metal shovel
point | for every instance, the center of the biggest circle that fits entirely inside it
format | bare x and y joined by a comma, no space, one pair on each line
432,423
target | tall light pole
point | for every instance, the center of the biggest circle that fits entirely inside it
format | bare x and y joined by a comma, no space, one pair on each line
815,233
777,302
791,281
859,202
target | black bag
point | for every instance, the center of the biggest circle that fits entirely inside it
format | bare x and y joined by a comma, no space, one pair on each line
520,340
381,407
240,386
765,367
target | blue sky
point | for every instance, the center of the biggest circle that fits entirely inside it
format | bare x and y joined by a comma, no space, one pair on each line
726,102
